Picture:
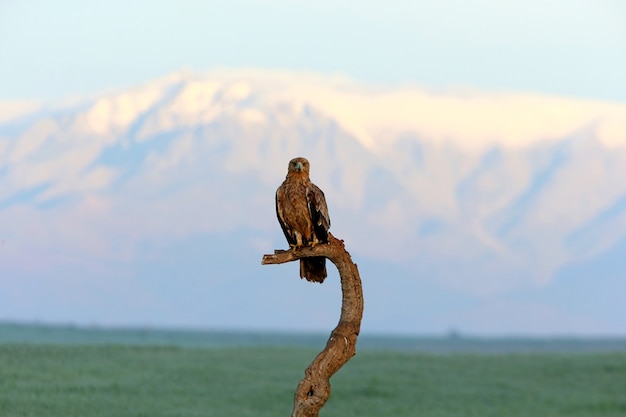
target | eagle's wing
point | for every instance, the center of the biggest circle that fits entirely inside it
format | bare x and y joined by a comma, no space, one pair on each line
318,212
281,216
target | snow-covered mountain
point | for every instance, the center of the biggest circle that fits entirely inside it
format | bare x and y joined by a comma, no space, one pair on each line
477,193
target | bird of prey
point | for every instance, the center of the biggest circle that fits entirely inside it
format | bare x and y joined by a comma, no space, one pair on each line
303,216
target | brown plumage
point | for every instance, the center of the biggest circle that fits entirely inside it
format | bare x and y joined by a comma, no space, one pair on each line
303,216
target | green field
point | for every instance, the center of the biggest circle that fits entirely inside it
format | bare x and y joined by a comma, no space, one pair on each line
49,380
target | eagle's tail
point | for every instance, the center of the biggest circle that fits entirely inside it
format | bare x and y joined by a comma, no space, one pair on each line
313,269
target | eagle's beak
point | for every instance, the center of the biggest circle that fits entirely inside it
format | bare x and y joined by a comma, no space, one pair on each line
298,166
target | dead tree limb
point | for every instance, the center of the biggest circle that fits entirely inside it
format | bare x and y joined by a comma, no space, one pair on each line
313,391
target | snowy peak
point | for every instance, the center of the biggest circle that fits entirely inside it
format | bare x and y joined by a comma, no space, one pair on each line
375,116
514,187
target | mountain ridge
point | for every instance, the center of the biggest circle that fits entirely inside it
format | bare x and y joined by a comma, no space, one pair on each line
114,178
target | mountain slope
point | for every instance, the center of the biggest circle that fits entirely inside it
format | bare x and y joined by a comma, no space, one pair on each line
482,194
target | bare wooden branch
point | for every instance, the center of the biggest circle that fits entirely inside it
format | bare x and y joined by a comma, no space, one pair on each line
314,389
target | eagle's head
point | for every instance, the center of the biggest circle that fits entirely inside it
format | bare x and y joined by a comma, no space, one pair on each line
298,165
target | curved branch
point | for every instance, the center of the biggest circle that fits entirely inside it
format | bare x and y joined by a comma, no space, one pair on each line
314,389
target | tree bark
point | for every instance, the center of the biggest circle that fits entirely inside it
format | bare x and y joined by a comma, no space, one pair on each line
314,389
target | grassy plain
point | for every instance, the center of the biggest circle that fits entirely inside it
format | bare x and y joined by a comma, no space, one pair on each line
102,380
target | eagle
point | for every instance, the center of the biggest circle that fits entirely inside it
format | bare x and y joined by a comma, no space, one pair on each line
303,215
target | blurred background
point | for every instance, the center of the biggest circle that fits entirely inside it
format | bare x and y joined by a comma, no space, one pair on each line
472,153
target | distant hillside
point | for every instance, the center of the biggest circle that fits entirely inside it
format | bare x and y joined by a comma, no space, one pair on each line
476,194
73,335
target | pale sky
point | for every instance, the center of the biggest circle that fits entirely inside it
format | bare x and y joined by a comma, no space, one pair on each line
55,49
